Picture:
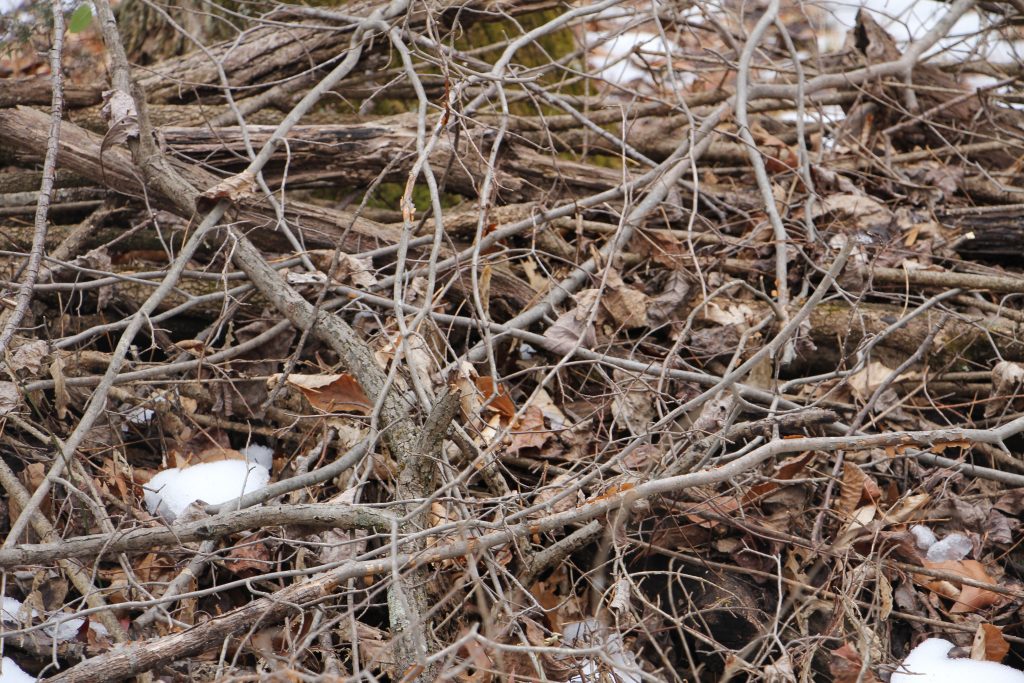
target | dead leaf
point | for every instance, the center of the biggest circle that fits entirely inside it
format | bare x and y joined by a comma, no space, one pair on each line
864,382
863,212
626,306
571,330
727,503
966,598
633,404
330,393
212,454
538,282
989,644
10,399
1007,378
738,314
340,545
121,116
192,346
846,664
907,508
529,431
546,495
675,292
779,157
495,397
856,487
349,269
234,189
249,557
29,356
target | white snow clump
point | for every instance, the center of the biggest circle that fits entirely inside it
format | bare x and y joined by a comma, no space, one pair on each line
258,454
11,612
12,673
59,626
923,536
952,547
929,663
169,492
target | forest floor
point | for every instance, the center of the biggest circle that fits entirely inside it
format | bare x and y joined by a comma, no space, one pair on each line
513,340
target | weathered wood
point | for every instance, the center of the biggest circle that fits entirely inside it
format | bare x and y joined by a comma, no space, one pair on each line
947,112
38,90
25,129
995,236
353,153
267,54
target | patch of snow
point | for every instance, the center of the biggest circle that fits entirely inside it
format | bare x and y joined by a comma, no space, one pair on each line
139,416
63,630
12,673
588,634
11,611
907,20
923,536
59,626
258,454
952,547
616,56
929,663
169,492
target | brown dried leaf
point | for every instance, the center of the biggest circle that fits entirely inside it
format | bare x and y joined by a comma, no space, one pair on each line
192,346
234,189
632,404
852,489
61,397
739,314
726,503
862,211
495,397
626,306
29,356
1007,378
1011,501
557,486
529,431
675,293
121,116
10,399
249,557
331,393
907,508
569,331
966,598
212,454
349,269
846,664
483,667
856,486
989,644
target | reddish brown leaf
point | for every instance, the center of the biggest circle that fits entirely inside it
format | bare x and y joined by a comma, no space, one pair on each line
846,665
851,491
989,644
966,598
496,398
250,557
529,431
332,393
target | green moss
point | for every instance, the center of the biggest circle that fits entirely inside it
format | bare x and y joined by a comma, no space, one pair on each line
389,195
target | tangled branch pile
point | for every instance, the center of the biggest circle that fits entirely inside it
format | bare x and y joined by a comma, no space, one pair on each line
547,341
